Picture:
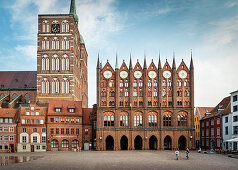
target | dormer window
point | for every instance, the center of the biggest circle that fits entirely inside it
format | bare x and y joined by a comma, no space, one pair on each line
58,110
71,110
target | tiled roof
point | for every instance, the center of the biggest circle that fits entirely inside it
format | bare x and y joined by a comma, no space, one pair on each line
7,112
18,79
204,110
55,103
223,106
86,115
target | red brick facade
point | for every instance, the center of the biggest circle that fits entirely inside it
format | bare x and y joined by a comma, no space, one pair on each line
145,108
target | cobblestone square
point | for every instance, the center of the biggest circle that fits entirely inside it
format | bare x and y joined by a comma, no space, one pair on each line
122,160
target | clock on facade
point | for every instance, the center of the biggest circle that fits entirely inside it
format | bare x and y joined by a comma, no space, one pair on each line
55,28
107,74
183,74
123,74
137,74
152,74
167,74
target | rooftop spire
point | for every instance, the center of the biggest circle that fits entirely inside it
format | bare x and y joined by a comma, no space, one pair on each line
130,64
116,67
98,64
145,65
191,62
159,62
174,64
73,11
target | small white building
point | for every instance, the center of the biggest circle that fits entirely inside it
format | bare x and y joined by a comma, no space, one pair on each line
230,125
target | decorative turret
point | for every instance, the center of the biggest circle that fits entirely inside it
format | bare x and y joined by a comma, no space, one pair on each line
98,64
130,64
73,11
159,65
174,64
191,62
145,65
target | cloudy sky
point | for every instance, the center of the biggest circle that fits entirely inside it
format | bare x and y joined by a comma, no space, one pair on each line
209,28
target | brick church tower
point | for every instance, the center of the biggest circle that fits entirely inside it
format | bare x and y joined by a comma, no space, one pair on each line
145,107
61,59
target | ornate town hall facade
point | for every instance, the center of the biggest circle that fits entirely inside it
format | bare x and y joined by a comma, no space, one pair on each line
145,108
61,59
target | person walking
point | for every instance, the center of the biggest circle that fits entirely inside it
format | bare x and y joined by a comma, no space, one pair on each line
187,153
177,154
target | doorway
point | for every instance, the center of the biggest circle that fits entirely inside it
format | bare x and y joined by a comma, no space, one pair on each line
109,143
153,143
124,143
138,143
32,148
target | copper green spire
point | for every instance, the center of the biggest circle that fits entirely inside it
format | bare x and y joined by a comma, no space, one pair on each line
117,67
73,11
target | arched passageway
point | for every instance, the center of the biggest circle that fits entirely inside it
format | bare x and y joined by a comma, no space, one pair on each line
124,143
109,143
182,143
167,143
153,143
138,143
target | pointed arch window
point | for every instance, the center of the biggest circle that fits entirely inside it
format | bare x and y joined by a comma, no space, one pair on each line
65,86
124,119
55,63
152,119
108,119
45,63
55,43
45,26
138,119
182,119
65,62
45,44
65,44
45,86
167,119
65,26
55,85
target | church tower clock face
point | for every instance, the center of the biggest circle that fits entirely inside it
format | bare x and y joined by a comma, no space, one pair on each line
55,28
183,74
107,74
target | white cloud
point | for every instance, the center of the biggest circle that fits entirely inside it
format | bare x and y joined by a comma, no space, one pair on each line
231,4
27,51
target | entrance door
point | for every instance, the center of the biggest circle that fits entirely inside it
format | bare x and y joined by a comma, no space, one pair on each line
124,143
32,148
12,147
86,146
109,143
138,143
182,143
153,143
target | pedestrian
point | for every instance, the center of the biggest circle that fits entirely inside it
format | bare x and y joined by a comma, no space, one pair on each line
187,153
177,154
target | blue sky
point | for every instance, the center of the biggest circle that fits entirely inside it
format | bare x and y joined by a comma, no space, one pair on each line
209,28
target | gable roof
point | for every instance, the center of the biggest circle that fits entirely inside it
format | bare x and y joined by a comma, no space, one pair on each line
86,116
18,79
65,106
203,110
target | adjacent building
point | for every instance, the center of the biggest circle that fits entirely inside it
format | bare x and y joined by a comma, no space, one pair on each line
200,112
145,107
31,129
230,125
64,125
8,130
211,126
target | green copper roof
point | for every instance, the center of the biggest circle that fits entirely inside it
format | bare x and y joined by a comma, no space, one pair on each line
73,11
81,39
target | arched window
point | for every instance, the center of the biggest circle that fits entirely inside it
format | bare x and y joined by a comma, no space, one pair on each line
65,26
55,63
124,119
167,118
27,98
65,86
54,143
65,62
164,93
108,119
138,119
65,143
182,119
152,119
45,26
45,86
55,43
75,144
45,44
65,44
55,85
45,63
